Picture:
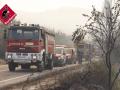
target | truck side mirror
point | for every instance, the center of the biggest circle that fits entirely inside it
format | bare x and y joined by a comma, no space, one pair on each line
42,32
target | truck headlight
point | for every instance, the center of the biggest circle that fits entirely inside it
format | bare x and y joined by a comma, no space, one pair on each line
34,57
9,56
59,57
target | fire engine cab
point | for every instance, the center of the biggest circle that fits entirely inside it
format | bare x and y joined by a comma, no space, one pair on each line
29,45
60,55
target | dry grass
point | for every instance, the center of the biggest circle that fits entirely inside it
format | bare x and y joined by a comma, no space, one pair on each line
92,77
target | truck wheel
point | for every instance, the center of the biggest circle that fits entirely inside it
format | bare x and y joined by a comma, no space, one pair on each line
11,66
40,67
50,61
25,66
50,64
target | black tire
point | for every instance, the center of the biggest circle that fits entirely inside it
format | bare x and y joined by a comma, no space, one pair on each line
58,63
11,66
50,64
24,66
48,61
40,67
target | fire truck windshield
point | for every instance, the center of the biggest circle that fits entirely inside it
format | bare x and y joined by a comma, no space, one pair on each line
23,34
68,51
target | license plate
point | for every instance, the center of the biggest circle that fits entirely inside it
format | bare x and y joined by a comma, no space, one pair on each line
21,56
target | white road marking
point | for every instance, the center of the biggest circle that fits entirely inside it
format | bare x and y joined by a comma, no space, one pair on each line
3,70
14,78
3,65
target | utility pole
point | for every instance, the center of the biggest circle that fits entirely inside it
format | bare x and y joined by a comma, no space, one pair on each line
107,7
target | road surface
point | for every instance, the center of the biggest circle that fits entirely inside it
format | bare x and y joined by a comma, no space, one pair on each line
7,77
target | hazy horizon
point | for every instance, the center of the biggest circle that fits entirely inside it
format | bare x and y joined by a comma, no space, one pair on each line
62,19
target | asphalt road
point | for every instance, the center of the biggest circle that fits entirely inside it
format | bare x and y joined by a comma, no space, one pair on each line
6,74
7,77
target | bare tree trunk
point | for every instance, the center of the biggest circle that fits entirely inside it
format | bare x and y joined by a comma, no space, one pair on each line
110,78
108,62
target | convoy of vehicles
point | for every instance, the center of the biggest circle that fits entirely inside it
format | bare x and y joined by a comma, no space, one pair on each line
70,55
35,45
29,45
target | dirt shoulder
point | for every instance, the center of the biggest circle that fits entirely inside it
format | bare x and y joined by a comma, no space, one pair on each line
2,62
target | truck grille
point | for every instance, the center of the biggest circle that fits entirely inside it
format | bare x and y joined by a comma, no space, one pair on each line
25,54
18,54
22,54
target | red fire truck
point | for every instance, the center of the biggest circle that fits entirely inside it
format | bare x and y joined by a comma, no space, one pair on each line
70,55
60,55
29,45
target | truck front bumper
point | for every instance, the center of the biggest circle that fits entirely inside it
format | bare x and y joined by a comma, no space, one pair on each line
23,57
22,61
